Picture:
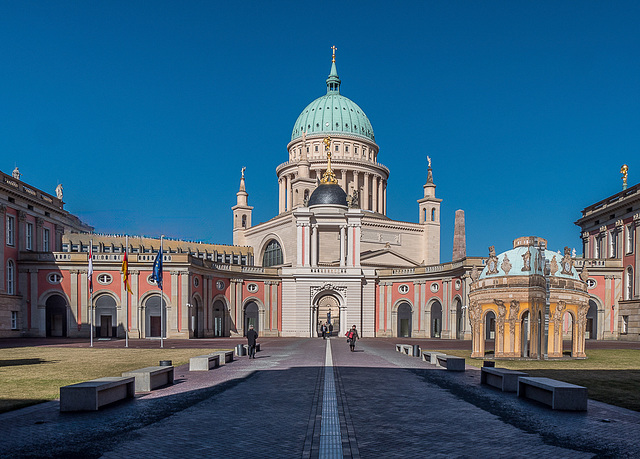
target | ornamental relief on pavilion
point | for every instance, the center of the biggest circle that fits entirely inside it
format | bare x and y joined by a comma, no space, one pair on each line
380,237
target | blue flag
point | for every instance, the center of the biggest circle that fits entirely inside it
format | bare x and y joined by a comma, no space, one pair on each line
156,276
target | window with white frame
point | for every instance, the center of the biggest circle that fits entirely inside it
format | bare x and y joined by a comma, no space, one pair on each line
629,239
45,239
14,320
613,244
29,236
11,278
11,230
629,284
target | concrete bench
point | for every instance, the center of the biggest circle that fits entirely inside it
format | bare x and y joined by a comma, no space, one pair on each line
150,378
204,362
450,362
405,349
559,395
431,356
94,394
224,356
502,378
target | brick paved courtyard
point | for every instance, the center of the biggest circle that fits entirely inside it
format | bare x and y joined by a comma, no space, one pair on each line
388,405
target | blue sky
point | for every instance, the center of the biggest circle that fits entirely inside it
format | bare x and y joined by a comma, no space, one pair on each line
146,111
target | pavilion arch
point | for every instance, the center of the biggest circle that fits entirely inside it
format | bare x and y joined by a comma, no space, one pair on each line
105,311
152,320
253,313
265,243
218,317
196,316
403,316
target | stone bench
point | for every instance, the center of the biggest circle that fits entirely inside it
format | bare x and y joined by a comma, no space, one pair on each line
502,378
204,362
431,356
94,394
450,362
559,395
150,378
224,356
405,349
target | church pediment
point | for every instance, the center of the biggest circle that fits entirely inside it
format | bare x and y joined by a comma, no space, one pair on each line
386,257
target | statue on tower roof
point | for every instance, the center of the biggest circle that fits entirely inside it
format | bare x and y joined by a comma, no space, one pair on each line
328,177
16,173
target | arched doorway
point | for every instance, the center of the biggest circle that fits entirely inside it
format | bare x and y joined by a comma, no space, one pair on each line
251,317
591,331
194,310
526,333
153,317
106,316
56,316
404,320
329,313
436,319
459,319
219,312
490,326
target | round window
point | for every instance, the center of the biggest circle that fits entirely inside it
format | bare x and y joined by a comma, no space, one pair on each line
591,283
435,287
220,285
54,278
253,288
104,279
458,284
404,288
196,281
150,280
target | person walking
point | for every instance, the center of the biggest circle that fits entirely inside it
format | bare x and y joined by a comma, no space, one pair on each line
330,330
352,336
252,335
323,329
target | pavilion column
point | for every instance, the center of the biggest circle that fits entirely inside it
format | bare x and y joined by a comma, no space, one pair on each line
307,245
365,201
380,196
356,181
342,245
299,244
374,193
343,180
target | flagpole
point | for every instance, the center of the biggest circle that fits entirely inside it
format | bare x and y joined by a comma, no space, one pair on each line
126,294
91,292
161,300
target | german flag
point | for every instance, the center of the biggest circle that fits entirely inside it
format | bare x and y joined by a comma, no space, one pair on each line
125,273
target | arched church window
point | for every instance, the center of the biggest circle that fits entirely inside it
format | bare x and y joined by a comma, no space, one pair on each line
244,221
11,278
433,214
272,254
425,215
629,292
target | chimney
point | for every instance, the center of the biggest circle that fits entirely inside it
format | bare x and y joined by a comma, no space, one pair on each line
459,239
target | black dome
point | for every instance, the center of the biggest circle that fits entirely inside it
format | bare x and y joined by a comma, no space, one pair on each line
328,194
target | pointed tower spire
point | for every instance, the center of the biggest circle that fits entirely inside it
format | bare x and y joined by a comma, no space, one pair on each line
333,82
429,187
241,213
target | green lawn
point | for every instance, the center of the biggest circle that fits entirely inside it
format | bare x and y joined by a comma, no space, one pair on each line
30,375
611,375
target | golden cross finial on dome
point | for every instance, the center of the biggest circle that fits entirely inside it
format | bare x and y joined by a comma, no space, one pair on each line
333,58
328,177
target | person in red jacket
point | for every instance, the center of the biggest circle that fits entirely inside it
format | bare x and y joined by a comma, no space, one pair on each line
352,336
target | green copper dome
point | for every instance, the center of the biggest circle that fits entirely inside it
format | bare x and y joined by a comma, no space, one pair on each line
333,114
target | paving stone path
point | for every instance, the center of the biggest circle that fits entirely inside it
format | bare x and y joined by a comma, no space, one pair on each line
376,403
